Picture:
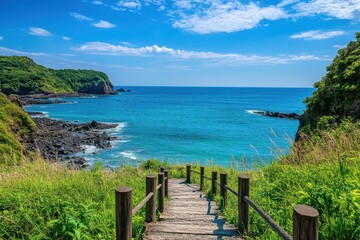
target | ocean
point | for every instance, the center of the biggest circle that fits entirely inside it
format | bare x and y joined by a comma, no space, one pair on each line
188,124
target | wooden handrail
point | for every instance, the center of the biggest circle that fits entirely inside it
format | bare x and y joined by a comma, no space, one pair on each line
142,203
305,218
158,187
232,190
282,233
123,200
195,172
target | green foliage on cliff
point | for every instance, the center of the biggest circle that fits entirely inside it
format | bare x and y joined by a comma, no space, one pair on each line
15,125
21,75
338,93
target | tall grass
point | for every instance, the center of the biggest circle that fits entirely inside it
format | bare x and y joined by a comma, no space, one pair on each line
45,201
322,172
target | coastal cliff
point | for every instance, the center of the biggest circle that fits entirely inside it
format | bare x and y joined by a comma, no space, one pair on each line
337,95
22,76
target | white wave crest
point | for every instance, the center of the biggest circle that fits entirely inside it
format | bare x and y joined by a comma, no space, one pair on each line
128,154
252,111
89,149
40,115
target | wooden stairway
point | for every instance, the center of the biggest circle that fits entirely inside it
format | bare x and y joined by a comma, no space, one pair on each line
189,215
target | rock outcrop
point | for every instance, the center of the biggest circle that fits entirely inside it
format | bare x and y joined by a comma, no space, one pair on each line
279,114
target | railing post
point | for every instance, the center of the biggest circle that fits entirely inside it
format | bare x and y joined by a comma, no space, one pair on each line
151,204
188,173
123,206
223,191
161,193
213,182
243,208
305,223
166,173
202,172
162,169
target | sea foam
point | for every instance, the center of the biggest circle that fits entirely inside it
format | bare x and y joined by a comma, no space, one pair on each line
128,154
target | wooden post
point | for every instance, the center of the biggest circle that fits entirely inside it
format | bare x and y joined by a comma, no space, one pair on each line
305,223
213,182
223,191
123,206
161,193
151,204
243,207
188,173
202,172
162,169
166,173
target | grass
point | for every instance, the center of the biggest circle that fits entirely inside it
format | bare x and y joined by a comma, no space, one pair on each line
45,201
323,172
15,125
40,200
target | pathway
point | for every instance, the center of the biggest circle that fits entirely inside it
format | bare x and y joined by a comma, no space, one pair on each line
189,215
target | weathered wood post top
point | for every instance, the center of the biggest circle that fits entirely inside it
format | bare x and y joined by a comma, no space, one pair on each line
305,223
123,206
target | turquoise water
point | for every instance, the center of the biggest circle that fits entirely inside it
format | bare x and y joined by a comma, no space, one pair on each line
184,124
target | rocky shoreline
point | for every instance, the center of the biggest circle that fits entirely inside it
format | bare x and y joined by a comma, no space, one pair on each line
60,141
292,116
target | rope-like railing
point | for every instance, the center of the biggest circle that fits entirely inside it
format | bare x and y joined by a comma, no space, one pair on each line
305,218
282,233
207,178
232,190
142,203
158,187
123,200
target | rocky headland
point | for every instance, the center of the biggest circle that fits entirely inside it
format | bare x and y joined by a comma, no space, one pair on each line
293,116
60,141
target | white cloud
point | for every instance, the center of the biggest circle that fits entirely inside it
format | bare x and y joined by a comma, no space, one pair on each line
161,8
219,58
66,38
7,51
130,4
286,3
97,2
68,54
39,32
1,38
342,9
104,24
80,17
339,46
220,16
317,35
126,44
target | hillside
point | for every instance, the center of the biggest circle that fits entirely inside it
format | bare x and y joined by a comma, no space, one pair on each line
337,95
21,75
15,125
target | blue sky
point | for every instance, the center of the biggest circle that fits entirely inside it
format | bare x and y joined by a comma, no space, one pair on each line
276,43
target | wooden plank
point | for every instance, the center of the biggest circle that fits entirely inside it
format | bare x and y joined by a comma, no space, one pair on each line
189,215
179,236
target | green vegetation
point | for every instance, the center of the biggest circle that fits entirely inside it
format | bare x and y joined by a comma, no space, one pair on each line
338,93
21,75
44,201
323,172
15,125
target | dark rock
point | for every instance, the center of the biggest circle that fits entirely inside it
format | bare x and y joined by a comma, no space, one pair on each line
16,99
60,140
121,90
279,114
99,88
